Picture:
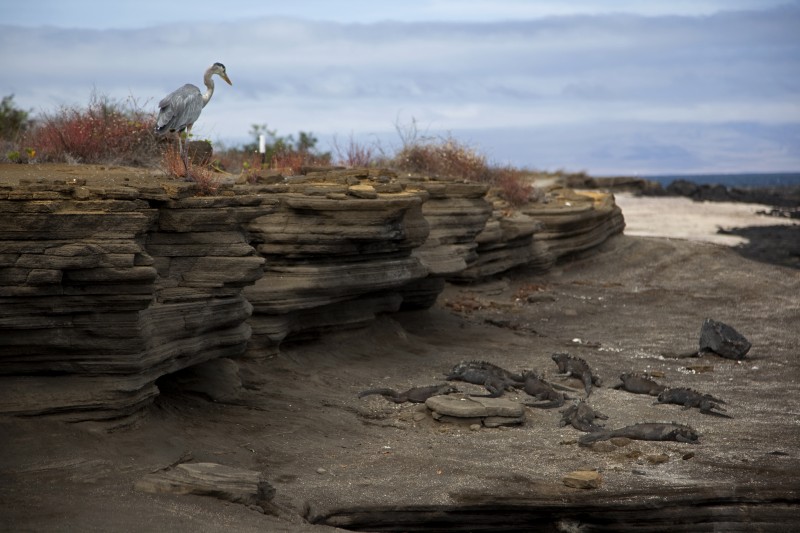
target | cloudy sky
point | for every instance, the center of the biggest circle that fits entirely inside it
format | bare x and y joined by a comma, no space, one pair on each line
603,86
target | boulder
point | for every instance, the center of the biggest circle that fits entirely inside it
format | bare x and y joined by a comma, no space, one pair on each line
723,340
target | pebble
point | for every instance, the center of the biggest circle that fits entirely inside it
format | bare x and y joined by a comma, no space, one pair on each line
657,459
321,471
700,369
603,446
620,442
583,479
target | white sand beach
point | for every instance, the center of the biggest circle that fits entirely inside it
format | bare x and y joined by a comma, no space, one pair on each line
683,218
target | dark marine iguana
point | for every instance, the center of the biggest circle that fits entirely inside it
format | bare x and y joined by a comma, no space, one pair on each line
414,394
576,367
496,380
582,417
645,431
541,390
689,398
639,384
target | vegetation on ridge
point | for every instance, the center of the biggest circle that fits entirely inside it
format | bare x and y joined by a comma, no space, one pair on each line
122,133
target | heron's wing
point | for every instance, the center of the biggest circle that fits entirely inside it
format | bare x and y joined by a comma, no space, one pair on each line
179,109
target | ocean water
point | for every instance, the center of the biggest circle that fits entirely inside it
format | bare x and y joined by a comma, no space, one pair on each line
775,179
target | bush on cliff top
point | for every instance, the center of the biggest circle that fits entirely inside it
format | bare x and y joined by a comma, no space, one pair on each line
448,157
106,131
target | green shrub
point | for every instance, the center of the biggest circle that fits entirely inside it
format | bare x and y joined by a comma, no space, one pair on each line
13,121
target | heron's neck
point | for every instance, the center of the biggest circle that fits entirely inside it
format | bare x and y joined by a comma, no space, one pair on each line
209,87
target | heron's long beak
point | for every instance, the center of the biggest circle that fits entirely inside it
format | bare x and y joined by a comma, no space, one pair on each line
225,77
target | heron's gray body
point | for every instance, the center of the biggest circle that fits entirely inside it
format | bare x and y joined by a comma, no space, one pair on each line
180,109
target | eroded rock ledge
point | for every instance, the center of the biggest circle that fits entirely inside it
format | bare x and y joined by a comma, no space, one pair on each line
104,289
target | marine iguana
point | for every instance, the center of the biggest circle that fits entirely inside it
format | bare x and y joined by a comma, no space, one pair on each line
576,367
639,384
496,380
691,398
543,391
645,431
582,417
414,394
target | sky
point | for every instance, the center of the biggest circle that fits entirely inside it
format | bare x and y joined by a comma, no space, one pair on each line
608,87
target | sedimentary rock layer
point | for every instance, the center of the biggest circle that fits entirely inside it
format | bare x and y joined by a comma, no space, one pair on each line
574,222
338,247
104,290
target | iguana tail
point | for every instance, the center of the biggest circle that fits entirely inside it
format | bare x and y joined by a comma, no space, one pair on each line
591,438
552,404
383,392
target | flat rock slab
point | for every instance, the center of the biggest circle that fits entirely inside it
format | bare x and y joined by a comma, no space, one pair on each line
210,479
471,407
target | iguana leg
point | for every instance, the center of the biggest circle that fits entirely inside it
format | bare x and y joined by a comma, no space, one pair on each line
587,385
494,390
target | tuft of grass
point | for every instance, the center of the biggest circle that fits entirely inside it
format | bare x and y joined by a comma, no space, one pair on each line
450,158
172,162
204,176
445,157
290,160
206,180
511,185
105,132
354,154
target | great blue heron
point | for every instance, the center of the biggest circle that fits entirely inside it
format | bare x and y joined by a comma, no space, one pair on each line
179,110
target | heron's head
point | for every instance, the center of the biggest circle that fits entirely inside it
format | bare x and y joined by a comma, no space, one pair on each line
219,69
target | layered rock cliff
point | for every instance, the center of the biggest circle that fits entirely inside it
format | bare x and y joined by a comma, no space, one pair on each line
104,290
338,247
106,286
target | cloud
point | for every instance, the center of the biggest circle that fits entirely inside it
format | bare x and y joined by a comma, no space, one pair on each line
554,73
99,14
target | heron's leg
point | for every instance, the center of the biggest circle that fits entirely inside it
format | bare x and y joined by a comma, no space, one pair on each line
180,151
186,151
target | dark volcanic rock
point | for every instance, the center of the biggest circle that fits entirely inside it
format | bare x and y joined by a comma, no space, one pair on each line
777,196
723,340
779,245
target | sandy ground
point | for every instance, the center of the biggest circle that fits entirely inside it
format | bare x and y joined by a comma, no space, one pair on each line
683,218
337,459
